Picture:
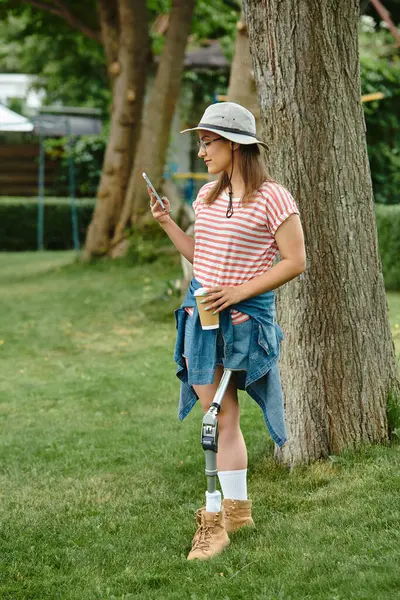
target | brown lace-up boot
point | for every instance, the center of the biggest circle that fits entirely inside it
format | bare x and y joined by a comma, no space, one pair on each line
210,538
237,514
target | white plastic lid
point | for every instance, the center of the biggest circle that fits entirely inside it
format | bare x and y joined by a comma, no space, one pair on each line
201,292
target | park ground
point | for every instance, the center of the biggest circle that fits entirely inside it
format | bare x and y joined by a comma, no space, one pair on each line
99,480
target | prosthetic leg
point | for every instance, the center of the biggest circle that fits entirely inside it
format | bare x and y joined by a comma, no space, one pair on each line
211,536
209,432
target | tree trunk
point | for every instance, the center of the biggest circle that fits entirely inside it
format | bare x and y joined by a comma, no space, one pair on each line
242,87
127,68
109,24
338,362
158,116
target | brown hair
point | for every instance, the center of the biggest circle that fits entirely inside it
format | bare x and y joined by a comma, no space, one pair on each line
252,169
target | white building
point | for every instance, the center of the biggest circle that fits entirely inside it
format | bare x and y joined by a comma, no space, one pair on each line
15,85
11,121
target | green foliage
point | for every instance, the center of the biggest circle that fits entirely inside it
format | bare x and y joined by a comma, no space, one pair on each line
87,155
157,9
216,20
207,23
200,89
380,72
69,66
18,231
85,12
18,223
143,249
388,224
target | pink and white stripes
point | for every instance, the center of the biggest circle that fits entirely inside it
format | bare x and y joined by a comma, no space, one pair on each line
229,252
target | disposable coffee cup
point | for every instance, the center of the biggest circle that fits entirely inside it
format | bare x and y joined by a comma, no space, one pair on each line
207,319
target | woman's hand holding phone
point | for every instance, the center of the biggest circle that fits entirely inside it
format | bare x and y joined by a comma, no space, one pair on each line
160,214
160,207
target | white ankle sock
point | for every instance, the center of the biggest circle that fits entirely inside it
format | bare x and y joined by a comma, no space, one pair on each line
234,484
213,501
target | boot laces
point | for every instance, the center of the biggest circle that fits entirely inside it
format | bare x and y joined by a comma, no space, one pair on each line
230,509
203,541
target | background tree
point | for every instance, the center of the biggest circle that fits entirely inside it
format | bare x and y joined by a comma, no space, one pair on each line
242,87
122,28
338,362
159,112
125,37
164,97
392,6
69,65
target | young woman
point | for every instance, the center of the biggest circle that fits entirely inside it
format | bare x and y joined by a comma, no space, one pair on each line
243,220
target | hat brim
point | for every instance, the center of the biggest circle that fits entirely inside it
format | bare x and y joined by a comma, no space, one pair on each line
239,138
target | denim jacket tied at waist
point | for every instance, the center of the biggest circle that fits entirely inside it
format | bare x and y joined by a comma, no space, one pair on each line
261,380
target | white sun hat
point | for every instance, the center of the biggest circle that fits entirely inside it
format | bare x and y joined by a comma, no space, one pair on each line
231,121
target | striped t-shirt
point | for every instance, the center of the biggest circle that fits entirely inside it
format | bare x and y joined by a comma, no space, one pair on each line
229,252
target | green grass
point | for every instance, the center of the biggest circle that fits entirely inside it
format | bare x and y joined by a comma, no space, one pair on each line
99,481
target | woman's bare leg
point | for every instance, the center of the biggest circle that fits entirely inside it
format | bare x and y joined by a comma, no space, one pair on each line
231,463
232,452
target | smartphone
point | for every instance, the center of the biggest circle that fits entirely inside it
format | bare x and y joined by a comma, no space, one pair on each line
151,186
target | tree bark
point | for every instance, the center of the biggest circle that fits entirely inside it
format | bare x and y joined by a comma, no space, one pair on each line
109,22
127,69
158,116
338,362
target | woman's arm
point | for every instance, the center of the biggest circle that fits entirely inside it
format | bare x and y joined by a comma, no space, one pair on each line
290,240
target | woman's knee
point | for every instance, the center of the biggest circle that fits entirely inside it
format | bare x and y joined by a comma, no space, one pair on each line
229,415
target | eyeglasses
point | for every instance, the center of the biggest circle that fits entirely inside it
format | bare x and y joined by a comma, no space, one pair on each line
204,145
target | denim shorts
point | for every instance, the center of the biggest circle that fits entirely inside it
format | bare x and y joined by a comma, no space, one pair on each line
241,343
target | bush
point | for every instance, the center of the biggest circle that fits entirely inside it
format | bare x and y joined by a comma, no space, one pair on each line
87,156
18,223
388,223
380,72
18,231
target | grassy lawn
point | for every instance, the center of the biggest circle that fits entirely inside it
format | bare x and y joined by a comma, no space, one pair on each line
99,480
